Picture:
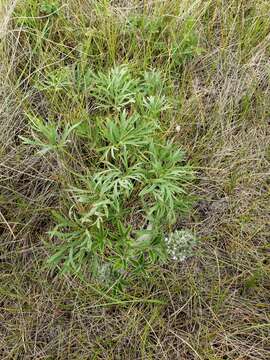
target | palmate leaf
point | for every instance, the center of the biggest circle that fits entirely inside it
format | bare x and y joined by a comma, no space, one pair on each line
79,242
124,133
155,105
47,136
166,182
95,204
117,182
115,89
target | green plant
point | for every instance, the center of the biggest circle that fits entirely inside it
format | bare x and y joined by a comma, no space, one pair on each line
47,135
186,46
135,174
49,7
220,115
114,89
164,38
56,80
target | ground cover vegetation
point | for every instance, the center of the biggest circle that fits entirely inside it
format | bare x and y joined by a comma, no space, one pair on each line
134,177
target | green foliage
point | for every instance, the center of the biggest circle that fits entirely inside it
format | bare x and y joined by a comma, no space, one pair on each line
186,46
219,112
165,39
115,89
48,7
165,186
47,135
55,80
125,168
135,173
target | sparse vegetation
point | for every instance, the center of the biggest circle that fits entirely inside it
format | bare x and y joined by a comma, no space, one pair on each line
134,202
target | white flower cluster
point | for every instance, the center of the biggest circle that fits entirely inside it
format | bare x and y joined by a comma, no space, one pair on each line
180,244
